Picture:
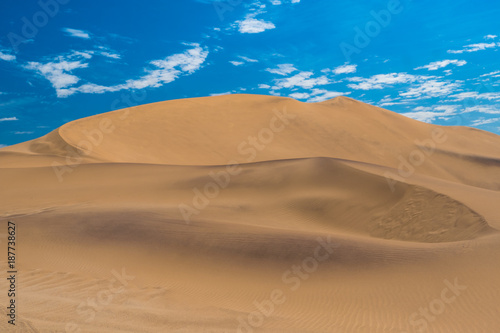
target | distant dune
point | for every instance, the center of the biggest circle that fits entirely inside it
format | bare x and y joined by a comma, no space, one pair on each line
248,213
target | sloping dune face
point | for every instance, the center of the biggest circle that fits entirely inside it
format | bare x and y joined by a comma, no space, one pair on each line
246,213
246,128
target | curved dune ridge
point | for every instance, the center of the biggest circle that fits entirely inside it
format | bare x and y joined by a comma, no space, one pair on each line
209,203
215,130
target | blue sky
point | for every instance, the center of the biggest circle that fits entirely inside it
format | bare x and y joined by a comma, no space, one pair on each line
60,60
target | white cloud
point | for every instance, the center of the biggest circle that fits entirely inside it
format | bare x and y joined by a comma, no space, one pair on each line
381,81
317,95
264,86
429,114
76,33
22,132
166,70
476,95
283,69
252,25
443,63
279,2
424,116
475,47
388,101
345,69
88,54
483,109
302,80
9,119
483,121
221,94
59,73
492,74
298,95
245,60
431,88
421,86
321,95
110,55
7,57
81,54
1,145
490,37
248,59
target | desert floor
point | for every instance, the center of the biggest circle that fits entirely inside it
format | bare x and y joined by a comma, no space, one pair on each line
248,213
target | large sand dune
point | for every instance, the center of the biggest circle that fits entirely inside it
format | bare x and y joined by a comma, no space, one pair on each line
248,213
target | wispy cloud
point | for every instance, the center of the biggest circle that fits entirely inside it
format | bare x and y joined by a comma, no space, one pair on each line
300,95
484,121
492,74
9,119
111,55
441,64
247,59
488,109
221,94
429,114
317,95
381,81
243,60
7,56
476,95
59,72
280,2
475,47
418,86
283,69
345,69
320,95
431,88
303,80
76,33
251,25
237,63
165,71
388,101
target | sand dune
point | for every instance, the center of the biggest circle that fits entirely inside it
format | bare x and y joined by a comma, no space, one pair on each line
248,213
